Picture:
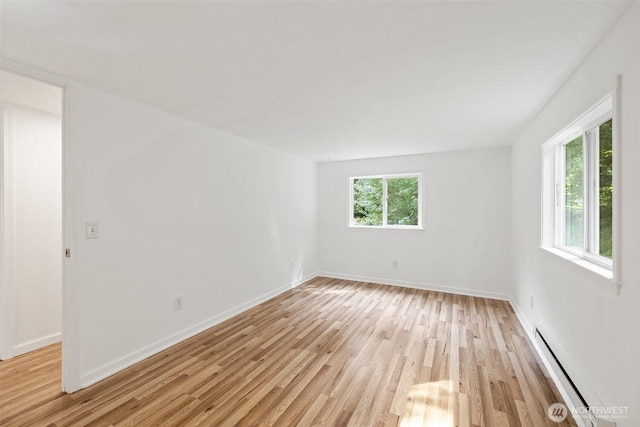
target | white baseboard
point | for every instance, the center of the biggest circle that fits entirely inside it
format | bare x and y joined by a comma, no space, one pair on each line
302,280
108,369
416,285
555,377
36,344
528,327
117,365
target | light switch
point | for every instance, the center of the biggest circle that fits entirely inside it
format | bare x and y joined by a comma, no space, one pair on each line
91,230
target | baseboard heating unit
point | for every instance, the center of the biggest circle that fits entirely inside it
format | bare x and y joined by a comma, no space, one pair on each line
585,407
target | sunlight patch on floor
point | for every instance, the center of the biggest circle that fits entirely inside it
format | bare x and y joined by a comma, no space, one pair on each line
427,405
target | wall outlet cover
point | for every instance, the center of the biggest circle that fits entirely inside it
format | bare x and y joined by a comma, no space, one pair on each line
91,230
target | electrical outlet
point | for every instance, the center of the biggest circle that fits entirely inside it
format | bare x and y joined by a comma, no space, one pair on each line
395,263
177,303
91,230
531,301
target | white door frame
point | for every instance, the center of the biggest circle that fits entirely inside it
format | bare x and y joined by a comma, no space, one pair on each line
7,300
70,377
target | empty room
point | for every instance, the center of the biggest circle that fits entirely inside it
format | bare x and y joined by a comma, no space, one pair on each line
320,213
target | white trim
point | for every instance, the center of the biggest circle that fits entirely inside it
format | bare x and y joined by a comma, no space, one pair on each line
617,184
384,226
37,343
298,282
417,285
7,262
71,113
528,327
577,127
115,366
119,364
602,272
567,392
591,193
590,196
524,322
385,203
70,376
530,330
553,203
599,263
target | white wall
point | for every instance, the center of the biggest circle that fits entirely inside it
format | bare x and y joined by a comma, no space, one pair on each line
37,180
465,245
183,210
593,330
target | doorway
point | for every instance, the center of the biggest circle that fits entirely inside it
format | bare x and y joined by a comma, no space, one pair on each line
32,221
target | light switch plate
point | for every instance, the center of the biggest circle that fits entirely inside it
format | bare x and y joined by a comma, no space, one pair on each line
91,230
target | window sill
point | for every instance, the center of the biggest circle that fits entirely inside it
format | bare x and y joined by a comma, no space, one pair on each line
582,262
374,227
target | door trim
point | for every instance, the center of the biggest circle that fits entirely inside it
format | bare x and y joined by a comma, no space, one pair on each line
7,265
70,371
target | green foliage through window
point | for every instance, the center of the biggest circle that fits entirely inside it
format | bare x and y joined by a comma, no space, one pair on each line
367,201
573,205
589,157
606,189
402,201
402,206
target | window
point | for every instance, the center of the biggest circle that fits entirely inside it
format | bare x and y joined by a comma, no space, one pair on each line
578,165
587,188
390,201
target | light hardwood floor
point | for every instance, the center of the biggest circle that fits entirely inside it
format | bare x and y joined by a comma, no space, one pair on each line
330,352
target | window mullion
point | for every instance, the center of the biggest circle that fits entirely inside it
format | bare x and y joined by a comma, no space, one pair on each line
560,187
595,192
579,185
376,207
591,199
384,202
587,191
351,201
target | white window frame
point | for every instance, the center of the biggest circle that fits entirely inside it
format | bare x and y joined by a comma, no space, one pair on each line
590,196
553,194
351,223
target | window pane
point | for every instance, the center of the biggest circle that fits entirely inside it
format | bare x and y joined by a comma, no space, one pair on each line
402,201
606,187
573,206
367,201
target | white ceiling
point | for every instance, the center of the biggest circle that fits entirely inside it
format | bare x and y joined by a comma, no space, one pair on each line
327,80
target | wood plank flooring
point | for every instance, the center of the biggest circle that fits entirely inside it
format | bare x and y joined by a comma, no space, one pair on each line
330,352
